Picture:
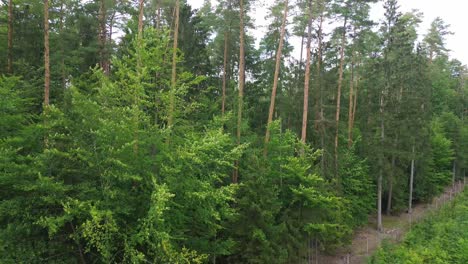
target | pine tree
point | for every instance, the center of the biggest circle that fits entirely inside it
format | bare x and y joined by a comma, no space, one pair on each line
276,76
46,54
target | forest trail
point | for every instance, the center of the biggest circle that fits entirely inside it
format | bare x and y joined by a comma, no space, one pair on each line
367,240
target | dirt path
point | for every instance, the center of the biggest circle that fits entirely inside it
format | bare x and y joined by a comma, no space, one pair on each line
367,240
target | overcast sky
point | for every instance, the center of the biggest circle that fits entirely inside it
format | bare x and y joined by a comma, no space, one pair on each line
453,12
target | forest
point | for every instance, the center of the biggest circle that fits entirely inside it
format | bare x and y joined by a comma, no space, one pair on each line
136,131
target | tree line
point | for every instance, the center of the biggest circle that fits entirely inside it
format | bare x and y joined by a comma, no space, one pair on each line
147,131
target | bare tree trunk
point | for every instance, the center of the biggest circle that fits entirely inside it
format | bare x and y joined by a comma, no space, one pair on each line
356,92
390,186
301,55
320,114
381,163
338,94
351,102
319,103
410,200
139,71
307,77
46,53
140,18
10,36
226,46
158,14
454,173
276,76
103,36
240,99
170,121
62,48
109,41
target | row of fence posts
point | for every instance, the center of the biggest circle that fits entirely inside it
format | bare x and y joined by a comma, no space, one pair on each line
313,258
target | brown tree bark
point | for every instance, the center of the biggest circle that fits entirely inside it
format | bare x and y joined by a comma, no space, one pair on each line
351,102
46,54
240,100
390,186
140,18
276,76
338,93
103,37
381,163
356,93
225,65
410,199
307,76
158,14
10,36
62,48
225,61
319,114
170,120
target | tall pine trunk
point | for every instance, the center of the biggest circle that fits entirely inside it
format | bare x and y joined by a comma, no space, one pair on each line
46,54
307,76
338,94
10,36
223,99
356,93
158,14
140,18
319,114
351,102
381,164
103,37
390,186
410,199
275,78
170,120
62,48
227,36
139,72
240,99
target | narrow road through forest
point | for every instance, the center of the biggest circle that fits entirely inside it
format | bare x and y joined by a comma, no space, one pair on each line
367,240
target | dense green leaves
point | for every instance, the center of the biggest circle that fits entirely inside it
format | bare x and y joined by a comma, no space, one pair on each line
99,176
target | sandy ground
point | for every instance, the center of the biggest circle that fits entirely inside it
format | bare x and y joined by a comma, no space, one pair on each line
367,240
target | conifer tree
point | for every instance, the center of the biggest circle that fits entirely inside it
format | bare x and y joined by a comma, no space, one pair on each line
276,75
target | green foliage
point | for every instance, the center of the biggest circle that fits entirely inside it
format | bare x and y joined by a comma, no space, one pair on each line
98,176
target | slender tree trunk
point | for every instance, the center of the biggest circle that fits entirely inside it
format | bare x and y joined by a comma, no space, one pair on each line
10,36
46,53
103,36
276,76
170,121
226,46
140,18
454,172
351,102
356,93
301,55
381,163
410,200
62,48
307,77
319,116
139,72
338,94
109,41
390,186
240,99
158,14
